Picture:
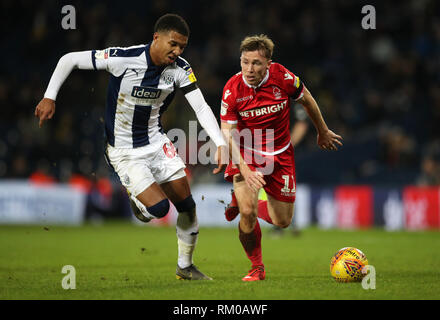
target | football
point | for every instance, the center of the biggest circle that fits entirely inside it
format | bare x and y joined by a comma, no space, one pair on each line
347,265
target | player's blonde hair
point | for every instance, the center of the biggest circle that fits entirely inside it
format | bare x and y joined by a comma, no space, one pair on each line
258,42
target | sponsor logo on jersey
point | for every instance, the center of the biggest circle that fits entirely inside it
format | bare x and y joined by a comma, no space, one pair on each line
102,54
263,111
145,92
245,98
189,73
192,77
227,94
224,108
288,76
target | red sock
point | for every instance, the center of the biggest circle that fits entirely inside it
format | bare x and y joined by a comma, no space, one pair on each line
251,243
263,212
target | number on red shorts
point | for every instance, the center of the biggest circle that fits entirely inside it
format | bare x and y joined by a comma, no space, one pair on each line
286,188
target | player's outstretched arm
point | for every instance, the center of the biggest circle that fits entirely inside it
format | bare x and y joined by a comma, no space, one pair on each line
208,121
74,60
326,139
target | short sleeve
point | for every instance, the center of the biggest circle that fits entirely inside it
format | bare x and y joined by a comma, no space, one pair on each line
185,75
115,60
227,109
293,85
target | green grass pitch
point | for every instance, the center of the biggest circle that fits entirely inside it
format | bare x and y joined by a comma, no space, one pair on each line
119,260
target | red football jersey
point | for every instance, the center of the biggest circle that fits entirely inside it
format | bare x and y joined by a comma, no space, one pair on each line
264,110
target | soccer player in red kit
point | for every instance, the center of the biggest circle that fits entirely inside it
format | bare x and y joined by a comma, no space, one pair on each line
256,105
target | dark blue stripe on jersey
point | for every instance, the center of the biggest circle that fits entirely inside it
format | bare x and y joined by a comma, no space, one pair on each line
94,59
182,63
165,106
133,52
142,113
112,99
140,125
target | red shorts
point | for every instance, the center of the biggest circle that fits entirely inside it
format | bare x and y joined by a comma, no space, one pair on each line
278,171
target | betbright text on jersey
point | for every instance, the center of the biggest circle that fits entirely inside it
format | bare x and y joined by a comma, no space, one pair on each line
139,92
264,108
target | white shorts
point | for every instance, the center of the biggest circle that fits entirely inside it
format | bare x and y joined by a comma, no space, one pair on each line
139,168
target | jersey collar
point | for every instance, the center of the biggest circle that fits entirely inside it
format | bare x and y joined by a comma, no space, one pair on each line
260,84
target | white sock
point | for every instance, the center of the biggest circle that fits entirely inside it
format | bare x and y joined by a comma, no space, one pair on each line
184,259
187,229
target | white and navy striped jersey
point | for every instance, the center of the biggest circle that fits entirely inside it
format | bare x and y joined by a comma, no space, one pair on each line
138,93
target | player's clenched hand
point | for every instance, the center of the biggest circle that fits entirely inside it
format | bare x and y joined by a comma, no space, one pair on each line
222,158
45,110
254,179
329,140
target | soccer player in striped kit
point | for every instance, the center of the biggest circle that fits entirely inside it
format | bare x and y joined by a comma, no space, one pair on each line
142,84
256,103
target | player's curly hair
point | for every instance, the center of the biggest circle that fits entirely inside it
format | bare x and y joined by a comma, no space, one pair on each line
258,42
172,22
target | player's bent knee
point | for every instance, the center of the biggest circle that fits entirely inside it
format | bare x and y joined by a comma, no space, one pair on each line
248,211
160,209
186,205
283,223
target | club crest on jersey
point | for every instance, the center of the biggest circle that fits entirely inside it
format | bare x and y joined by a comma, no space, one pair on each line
168,78
276,92
145,92
169,150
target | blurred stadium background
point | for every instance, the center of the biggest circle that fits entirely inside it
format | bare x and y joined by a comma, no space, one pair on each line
379,89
